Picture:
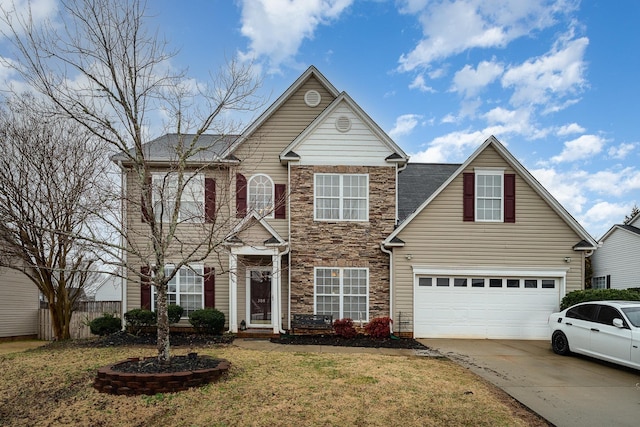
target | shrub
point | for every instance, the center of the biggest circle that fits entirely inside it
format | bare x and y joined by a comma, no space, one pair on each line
379,327
106,325
139,318
175,313
576,297
344,328
207,321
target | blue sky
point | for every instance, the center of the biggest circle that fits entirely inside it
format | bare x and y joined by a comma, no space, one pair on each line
555,80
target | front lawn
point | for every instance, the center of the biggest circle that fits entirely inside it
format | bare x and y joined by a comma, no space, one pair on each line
53,386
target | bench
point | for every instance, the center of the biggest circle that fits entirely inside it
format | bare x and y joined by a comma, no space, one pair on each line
316,322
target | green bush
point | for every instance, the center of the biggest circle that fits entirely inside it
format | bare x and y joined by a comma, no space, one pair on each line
139,318
106,325
175,313
576,297
207,321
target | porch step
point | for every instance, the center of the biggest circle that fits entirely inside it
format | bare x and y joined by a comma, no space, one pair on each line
257,333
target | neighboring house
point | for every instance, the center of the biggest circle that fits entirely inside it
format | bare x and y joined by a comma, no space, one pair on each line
616,262
19,303
109,288
332,219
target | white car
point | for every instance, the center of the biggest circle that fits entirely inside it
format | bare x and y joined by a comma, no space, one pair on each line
607,330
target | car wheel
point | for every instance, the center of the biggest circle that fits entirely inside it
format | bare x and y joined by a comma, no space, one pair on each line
560,343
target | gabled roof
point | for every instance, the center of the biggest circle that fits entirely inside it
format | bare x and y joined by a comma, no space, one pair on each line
256,124
524,174
397,154
627,228
274,240
208,148
419,181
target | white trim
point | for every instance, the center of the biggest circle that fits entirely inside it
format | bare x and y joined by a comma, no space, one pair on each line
256,124
248,297
341,198
341,294
360,113
488,172
233,292
176,277
488,271
254,215
269,211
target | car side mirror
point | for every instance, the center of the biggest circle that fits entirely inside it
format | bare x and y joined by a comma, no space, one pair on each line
618,323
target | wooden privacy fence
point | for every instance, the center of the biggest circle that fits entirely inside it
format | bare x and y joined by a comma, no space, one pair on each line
79,328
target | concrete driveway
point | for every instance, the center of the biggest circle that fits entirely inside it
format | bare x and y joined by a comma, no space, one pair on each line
566,390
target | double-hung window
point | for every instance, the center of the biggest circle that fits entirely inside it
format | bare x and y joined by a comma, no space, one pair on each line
342,292
341,197
489,195
165,196
261,195
186,288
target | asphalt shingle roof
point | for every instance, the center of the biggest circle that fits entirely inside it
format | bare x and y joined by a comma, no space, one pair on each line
419,181
163,149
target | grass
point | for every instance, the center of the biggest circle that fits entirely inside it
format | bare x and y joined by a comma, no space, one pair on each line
52,386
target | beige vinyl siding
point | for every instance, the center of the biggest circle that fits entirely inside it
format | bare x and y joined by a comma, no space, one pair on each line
437,237
261,152
328,146
18,305
138,233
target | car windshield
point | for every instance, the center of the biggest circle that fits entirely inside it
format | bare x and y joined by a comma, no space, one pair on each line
633,314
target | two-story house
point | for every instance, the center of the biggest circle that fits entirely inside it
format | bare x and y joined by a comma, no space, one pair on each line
327,216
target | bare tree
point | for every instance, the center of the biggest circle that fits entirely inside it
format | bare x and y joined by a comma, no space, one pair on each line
101,67
49,175
634,212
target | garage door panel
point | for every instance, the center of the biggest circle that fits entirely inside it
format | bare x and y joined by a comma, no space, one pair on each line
466,312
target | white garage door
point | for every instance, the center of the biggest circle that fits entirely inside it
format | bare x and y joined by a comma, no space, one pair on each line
467,306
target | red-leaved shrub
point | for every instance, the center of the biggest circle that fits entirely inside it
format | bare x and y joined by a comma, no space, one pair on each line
344,328
379,327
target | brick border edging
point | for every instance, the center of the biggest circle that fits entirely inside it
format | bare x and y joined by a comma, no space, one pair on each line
111,381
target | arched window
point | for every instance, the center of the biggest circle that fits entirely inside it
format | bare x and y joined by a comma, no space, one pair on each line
261,195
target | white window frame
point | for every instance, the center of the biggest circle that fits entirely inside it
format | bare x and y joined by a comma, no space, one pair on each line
341,197
595,282
192,193
198,270
339,271
265,210
488,173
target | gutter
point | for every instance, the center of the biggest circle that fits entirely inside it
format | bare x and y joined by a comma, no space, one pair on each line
387,251
124,274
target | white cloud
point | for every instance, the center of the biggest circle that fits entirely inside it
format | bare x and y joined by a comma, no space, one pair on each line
566,187
405,125
453,147
39,10
469,81
452,27
549,78
277,28
570,129
620,151
581,148
617,182
603,215
420,84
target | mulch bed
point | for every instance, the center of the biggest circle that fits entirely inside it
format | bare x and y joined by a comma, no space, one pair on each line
358,341
177,340
177,364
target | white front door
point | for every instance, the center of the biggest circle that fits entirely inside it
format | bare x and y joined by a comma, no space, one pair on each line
259,297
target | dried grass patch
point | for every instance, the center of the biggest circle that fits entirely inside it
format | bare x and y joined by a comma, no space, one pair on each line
53,387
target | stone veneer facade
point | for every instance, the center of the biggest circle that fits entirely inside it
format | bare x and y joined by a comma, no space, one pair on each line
341,243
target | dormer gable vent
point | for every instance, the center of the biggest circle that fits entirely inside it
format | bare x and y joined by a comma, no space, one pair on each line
312,98
343,123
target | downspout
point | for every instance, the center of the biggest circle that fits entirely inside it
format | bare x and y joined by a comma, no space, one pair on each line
286,251
123,270
390,252
289,246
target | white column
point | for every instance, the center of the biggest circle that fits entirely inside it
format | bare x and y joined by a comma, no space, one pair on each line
233,292
276,299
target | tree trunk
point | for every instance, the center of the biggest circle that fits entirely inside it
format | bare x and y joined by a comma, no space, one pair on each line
60,321
163,325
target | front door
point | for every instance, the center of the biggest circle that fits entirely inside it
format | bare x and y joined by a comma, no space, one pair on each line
259,298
